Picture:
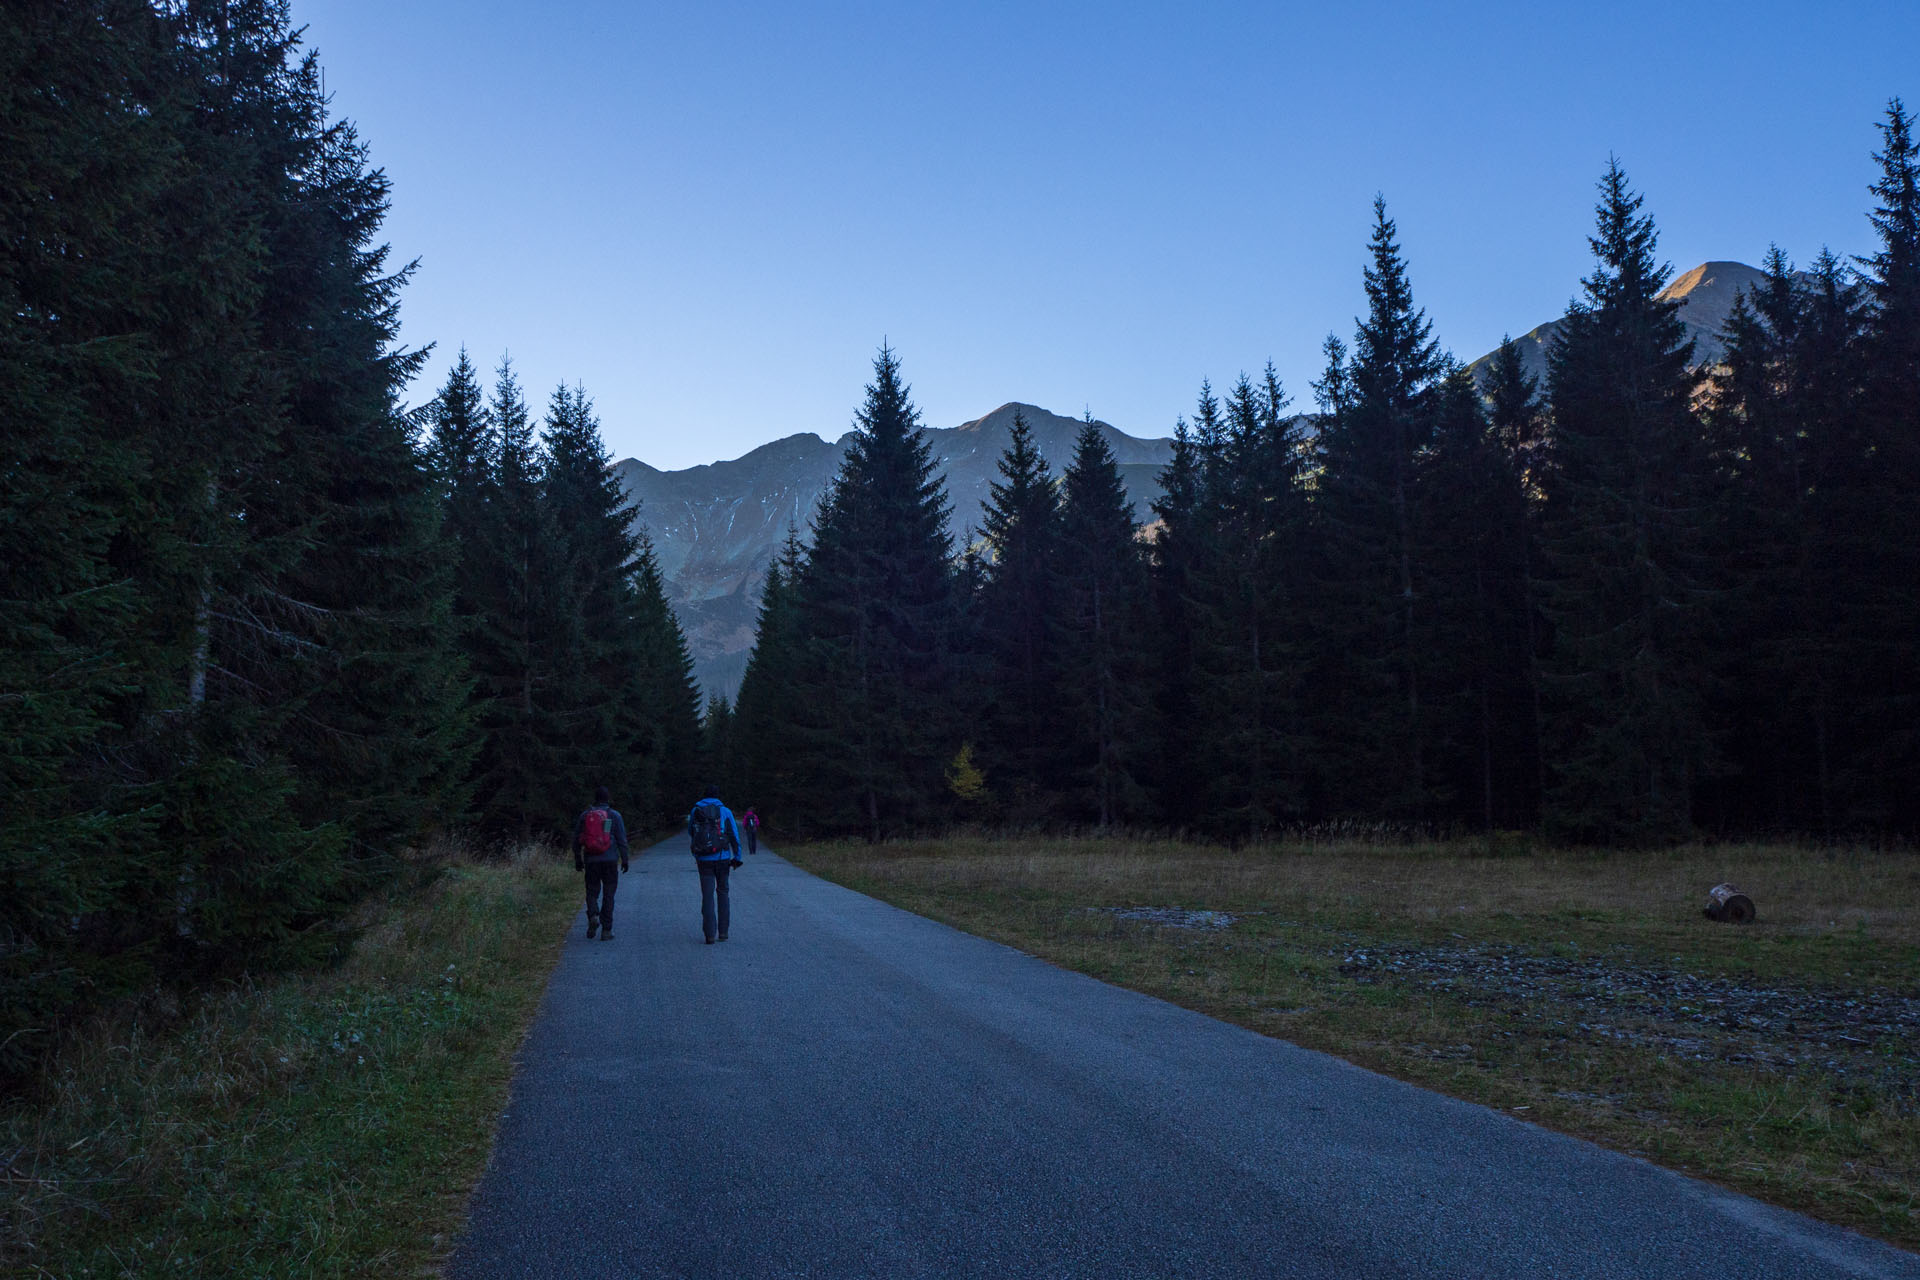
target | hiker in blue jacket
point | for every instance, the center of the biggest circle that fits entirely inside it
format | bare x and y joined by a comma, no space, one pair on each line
715,839
599,843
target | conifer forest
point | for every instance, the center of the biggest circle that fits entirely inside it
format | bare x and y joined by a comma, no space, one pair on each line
1650,600
264,627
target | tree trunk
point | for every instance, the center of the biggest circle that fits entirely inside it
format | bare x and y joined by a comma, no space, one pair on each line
1102,730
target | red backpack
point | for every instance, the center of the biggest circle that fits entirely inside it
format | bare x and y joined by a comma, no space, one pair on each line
596,831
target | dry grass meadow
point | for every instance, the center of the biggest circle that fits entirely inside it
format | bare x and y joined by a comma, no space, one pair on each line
1582,990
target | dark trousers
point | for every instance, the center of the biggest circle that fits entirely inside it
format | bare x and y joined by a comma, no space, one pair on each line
603,878
753,839
713,896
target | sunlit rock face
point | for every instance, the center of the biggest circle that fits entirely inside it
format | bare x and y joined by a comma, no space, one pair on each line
717,527
1705,295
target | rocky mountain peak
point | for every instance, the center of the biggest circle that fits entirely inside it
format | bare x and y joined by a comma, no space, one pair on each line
1705,294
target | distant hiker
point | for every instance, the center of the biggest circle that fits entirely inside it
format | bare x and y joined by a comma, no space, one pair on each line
599,845
751,821
715,838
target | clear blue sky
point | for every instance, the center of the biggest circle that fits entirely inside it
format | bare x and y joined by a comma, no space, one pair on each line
711,214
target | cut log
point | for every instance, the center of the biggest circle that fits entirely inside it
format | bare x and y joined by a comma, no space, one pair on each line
1726,902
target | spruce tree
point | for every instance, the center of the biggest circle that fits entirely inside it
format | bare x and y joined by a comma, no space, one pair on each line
1476,631
1379,409
383,739
238,740
621,705
1021,533
668,706
1180,542
1787,430
461,449
512,646
764,712
87,149
1627,523
1518,418
459,446
1890,618
1101,622
972,667
1514,409
1244,595
588,718
876,614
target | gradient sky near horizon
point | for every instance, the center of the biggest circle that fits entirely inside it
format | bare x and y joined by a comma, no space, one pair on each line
712,214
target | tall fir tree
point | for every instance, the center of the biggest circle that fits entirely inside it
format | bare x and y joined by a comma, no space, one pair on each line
237,743
588,708
1180,543
1015,624
1101,622
622,708
1378,416
764,711
383,738
1891,416
971,672
1475,630
1787,433
512,645
460,446
1245,591
671,763
1514,408
1518,417
89,154
1626,543
876,615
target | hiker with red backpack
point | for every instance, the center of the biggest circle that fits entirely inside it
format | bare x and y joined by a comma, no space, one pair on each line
751,821
715,838
599,847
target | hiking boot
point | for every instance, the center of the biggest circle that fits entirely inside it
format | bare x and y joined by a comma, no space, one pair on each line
593,927
608,935
723,937
710,941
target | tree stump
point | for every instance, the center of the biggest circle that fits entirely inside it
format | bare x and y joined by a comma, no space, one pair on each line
1725,902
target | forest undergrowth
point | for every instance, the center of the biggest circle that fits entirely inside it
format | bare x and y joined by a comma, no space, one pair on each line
306,1125
1578,989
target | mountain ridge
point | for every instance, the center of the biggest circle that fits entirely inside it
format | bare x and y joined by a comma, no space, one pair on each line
716,526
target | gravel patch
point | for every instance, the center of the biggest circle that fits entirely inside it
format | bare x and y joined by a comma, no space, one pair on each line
1173,917
1873,1033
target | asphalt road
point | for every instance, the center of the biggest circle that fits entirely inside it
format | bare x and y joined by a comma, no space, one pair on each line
846,1089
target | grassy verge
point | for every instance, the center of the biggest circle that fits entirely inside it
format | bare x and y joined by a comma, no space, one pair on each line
1581,990
310,1125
